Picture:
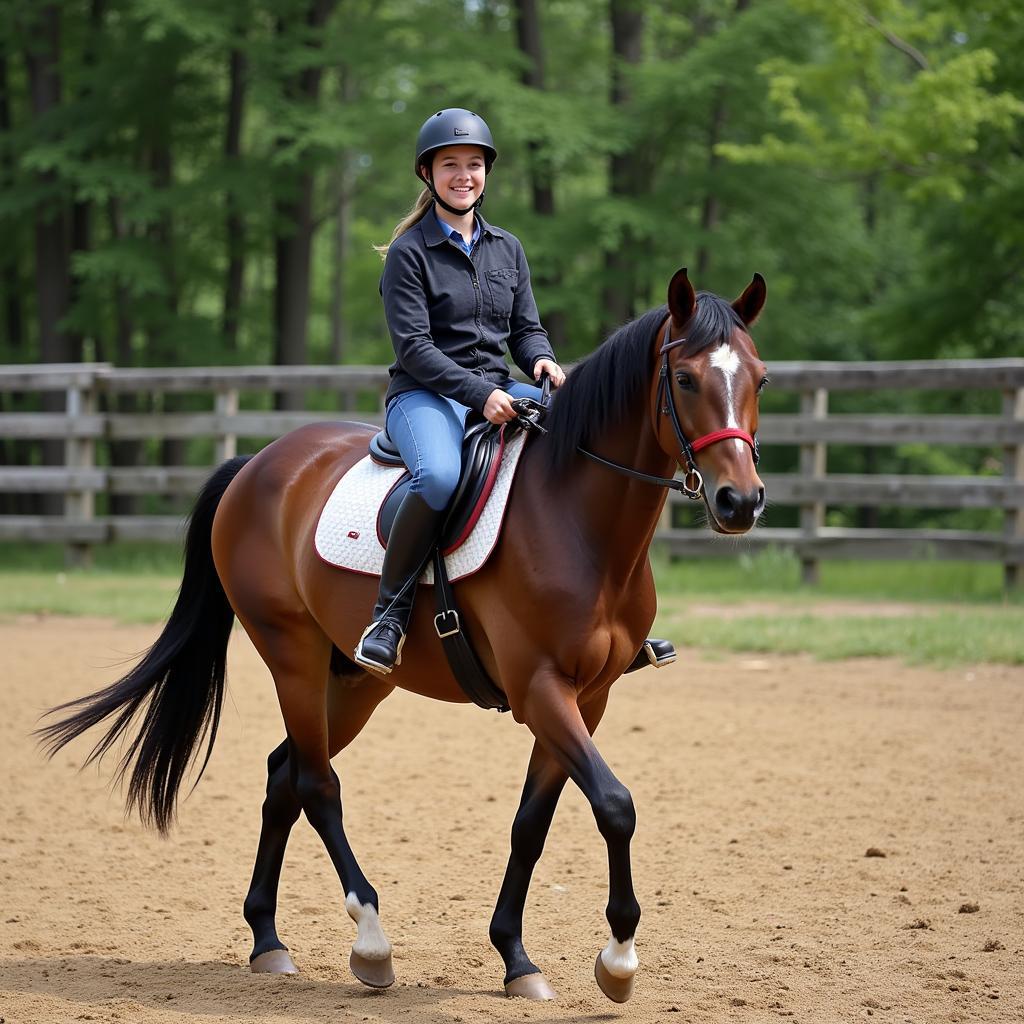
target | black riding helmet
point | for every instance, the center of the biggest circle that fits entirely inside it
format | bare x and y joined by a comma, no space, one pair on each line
453,126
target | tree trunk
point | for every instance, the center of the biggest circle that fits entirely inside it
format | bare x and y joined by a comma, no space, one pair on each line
625,169
528,34
235,225
81,210
295,226
51,227
13,318
711,209
343,185
172,449
12,452
126,452
52,253
869,516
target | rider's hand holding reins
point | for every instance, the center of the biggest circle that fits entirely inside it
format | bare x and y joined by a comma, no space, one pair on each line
498,408
552,369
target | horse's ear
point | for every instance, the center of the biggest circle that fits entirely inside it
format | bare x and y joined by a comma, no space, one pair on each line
681,299
749,305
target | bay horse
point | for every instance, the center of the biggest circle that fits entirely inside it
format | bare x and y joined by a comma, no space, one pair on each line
557,613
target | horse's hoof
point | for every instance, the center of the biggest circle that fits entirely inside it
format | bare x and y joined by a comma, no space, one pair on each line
274,961
618,990
530,986
375,973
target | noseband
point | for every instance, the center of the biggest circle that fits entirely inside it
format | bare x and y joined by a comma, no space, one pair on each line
692,484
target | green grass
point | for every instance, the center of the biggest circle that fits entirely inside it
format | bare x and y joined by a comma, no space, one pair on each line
966,635
776,573
986,625
137,583
136,597
128,558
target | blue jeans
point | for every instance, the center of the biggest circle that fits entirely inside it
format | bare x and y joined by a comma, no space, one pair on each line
428,431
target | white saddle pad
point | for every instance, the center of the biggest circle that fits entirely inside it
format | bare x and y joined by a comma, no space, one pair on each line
346,535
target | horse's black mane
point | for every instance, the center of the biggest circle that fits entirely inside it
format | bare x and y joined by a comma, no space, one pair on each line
603,387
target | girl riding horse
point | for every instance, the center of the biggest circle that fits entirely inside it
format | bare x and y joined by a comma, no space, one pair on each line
557,613
456,294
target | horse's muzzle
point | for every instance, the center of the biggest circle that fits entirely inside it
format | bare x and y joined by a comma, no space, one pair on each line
735,510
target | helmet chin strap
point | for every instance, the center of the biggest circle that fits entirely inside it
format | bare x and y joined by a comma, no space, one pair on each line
448,206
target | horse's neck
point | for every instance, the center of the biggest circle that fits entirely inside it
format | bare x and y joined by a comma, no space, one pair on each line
616,514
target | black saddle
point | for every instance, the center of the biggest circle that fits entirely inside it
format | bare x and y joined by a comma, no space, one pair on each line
481,454
481,457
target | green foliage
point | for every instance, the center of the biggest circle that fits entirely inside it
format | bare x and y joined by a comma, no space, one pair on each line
871,101
863,156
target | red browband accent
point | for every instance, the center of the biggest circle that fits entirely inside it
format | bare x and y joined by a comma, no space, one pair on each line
721,435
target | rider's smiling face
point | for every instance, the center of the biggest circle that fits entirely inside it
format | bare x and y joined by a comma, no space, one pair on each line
459,175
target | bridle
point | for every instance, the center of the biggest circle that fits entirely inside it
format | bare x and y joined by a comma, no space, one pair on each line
692,484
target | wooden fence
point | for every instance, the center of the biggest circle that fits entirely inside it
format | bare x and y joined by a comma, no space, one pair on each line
89,425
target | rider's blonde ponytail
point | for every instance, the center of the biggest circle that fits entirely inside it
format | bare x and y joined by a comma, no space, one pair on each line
414,216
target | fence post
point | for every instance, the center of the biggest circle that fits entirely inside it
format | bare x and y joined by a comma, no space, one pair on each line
79,453
226,405
813,466
1013,469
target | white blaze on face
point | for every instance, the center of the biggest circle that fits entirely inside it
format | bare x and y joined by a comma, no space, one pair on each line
619,958
728,361
371,942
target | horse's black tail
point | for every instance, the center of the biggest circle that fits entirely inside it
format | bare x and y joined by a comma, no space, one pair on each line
179,681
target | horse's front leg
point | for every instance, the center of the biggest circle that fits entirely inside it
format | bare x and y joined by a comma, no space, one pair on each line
545,780
544,783
556,720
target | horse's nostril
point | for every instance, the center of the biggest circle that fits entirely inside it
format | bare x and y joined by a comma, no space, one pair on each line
734,506
727,501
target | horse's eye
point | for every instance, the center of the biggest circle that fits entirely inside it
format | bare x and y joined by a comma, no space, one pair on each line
685,381
762,385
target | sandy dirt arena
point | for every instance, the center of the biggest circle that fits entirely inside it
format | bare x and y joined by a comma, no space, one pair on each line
759,783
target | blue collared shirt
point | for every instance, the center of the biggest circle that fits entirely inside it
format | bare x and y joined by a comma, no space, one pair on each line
456,236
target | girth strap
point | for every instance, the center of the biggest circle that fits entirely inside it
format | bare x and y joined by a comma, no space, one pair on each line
465,665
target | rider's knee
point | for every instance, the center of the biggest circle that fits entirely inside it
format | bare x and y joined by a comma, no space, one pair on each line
436,483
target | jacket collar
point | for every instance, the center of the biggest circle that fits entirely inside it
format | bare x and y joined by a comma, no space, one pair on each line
434,234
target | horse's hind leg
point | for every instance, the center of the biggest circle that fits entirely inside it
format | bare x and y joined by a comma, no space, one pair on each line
351,702
281,810
298,659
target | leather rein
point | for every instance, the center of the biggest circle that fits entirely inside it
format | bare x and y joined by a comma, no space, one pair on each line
692,484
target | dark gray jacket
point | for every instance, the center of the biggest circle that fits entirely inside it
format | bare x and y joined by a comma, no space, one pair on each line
451,315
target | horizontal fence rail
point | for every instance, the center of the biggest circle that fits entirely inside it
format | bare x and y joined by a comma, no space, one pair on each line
99,403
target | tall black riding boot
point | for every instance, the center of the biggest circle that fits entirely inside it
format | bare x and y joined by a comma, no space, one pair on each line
413,535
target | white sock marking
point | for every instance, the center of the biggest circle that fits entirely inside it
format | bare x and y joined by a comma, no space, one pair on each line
619,958
371,942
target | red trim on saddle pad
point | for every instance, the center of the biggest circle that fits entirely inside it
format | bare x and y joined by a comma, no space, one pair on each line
482,500
478,508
